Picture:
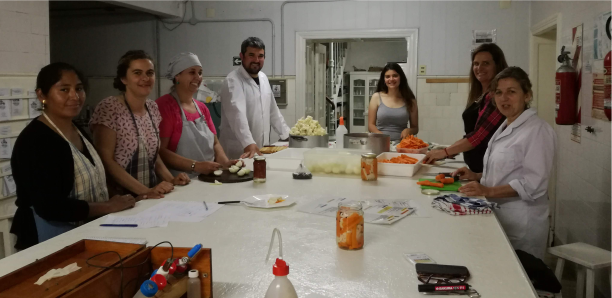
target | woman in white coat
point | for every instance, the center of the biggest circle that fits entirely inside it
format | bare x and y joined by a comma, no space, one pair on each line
248,107
517,165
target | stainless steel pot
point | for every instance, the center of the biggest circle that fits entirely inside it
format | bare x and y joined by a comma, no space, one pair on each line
308,141
374,142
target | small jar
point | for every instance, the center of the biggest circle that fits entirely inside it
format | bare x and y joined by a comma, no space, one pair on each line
259,169
349,225
369,167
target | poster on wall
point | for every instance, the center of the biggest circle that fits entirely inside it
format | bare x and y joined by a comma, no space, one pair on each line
34,108
483,36
5,110
602,103
602,43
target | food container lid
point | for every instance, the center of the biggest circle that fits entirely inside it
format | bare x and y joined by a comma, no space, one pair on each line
430,192
259,157
369,155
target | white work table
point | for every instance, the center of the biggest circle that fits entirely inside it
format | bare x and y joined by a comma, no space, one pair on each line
239,239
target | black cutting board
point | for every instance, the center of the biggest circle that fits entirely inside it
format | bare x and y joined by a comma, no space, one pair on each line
226,177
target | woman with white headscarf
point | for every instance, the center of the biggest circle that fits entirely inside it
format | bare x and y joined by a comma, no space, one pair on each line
188,136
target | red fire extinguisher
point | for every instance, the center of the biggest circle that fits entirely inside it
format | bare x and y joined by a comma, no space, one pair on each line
566,91
608,75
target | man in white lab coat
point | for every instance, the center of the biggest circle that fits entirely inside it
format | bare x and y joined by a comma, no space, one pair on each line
248,107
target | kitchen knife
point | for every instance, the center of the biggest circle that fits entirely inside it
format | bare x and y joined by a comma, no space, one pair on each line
445,175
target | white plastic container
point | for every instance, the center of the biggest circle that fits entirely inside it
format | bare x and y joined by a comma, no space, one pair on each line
286,160
401,170
281,286
322,161
193,285
340,132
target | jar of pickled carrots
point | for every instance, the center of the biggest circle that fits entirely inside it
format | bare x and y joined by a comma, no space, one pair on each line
369,167
349,225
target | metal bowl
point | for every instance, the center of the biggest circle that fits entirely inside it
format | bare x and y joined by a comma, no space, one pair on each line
374,142
308,141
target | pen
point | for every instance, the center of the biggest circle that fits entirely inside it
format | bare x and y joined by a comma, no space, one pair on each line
124,226
205,206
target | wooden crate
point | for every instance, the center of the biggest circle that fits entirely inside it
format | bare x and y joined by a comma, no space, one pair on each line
108,283
20,283
93,282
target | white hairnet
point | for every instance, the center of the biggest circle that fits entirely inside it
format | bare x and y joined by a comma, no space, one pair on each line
181,62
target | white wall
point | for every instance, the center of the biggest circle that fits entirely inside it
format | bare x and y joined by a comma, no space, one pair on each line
375,53
445,28
24,36
440,109
24,49
583,170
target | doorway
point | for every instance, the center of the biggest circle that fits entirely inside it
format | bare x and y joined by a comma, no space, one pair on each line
542,69
306,63
545,89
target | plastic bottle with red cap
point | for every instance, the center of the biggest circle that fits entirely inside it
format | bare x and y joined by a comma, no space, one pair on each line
340,132
281,286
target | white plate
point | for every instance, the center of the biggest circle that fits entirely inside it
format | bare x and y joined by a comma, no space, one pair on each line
261,201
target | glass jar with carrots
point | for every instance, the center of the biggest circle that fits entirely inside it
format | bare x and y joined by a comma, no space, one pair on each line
369,167
349,225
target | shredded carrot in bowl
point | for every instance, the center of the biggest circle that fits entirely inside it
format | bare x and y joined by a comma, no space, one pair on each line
412,142
402,159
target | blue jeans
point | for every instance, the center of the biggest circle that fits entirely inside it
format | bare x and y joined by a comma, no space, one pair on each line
48,229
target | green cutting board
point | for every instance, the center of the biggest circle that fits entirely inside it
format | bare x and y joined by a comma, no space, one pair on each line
447,187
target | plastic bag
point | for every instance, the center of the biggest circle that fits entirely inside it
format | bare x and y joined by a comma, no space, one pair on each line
206,95
302,173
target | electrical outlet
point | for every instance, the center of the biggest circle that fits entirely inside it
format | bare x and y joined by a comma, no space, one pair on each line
422,70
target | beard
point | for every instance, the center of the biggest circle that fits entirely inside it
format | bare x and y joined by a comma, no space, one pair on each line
253,68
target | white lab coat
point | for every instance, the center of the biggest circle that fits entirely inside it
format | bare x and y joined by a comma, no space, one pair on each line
248,112
521,154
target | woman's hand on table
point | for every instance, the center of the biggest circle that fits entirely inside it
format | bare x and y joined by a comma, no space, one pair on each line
162,188
207,167
434,155
151,194
118,203
181,179
474,189
465,174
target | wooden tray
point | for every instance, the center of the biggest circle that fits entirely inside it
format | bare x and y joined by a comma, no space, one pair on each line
20,283
226,177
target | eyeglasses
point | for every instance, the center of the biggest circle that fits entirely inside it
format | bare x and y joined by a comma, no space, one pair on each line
430,279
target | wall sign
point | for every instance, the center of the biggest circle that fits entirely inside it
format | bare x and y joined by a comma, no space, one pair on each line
236,61
483,36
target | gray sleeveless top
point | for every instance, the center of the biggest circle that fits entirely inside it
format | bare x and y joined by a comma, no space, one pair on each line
392,121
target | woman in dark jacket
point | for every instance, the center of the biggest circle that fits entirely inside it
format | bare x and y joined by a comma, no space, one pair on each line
59,176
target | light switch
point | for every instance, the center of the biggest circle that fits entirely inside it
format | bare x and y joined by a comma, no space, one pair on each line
422,69
210,13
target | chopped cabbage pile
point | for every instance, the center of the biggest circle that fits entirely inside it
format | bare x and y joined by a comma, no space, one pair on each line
308,127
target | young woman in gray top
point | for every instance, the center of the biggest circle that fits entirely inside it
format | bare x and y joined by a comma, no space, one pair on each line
393,106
